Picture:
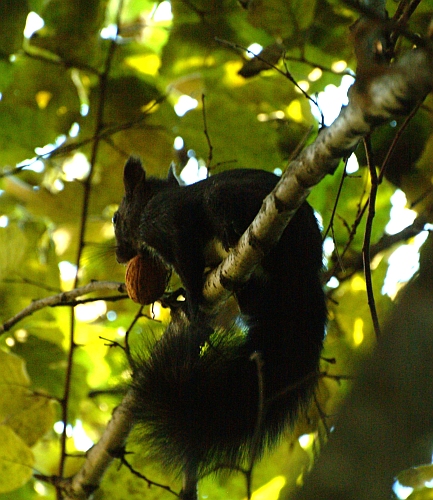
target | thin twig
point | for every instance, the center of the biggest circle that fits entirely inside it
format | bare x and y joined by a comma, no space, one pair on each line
361,211
286,73
106,298
395,141
128,331
206,133
367,235
62,298
148,481
103,87
103,135
28,281
314,64
322,416
58,61
258,360
337,198
355,263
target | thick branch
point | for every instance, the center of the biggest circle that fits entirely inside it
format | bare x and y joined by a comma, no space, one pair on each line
393,92
99,457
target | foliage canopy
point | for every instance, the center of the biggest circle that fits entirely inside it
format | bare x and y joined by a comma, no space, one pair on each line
76,99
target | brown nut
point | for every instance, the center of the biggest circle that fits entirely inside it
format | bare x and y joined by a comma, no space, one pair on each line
146,279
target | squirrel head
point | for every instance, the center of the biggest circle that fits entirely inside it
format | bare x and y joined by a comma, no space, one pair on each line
139,190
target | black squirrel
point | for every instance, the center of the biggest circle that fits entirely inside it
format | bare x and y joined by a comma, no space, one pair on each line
196,394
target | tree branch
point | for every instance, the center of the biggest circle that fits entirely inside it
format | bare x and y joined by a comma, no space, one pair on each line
85,205
367,235
98,458
63,298
395,91
354,263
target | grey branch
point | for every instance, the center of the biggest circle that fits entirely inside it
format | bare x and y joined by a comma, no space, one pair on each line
99,457
395,91
62,298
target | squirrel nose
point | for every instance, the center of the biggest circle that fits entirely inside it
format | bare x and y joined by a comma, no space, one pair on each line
123,256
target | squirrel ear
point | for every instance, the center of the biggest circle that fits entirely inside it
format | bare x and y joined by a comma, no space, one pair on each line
133,174
172,177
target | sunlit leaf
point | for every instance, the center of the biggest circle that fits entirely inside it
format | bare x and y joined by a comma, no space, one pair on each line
34,420
271,490
416,477
53,91
16,460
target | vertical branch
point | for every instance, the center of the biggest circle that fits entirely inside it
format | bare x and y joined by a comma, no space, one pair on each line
362,207
206,133
87,187
257,358
367,236
395,141
128,331
190,483
337,199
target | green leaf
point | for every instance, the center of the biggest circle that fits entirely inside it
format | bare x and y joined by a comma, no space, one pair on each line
16,460
36,107
13,376
46,364
416,477
28,415
26,492
13,15
12,250
71,30
280,18
34,419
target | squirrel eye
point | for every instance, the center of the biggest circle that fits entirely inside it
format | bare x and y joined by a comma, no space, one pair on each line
115,218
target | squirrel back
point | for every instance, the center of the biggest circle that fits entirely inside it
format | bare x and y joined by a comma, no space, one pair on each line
206,396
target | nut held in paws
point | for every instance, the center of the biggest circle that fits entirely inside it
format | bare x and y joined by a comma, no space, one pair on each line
146,279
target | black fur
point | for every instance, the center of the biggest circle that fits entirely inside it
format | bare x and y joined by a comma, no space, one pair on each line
196,393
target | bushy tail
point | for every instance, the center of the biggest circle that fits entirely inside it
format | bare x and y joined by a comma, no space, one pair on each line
201,398
196,399
200,394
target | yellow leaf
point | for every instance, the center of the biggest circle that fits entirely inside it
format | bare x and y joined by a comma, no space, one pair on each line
16,460
148,64
14,384
416,477
271,490
34,420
